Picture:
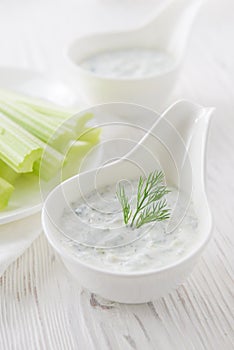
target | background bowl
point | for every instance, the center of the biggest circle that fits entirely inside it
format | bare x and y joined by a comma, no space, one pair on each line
168,30
150,91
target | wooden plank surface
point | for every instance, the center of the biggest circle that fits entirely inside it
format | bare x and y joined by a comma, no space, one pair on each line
41,306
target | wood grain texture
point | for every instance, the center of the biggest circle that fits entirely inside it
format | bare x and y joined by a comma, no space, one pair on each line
41,306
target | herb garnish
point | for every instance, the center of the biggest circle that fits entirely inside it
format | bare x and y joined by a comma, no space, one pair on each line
150,206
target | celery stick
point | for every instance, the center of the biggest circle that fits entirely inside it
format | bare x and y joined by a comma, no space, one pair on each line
51,160
76,123
78,150
54,130
7,173
50,163
79,122
46,129
18,148
35,137
37,104
6,190
49,110
30,113
26,120
74,157
91,135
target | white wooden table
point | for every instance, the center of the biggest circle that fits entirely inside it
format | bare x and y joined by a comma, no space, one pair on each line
41,306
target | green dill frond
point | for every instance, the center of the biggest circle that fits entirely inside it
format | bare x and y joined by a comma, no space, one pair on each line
150,206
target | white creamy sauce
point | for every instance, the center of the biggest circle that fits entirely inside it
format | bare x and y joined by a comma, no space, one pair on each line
129,63
97,221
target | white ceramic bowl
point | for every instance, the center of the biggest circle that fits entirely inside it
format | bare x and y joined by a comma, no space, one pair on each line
151,91
136,287
167,31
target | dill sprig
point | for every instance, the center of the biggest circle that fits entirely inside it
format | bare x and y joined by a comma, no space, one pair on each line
149,203
124,203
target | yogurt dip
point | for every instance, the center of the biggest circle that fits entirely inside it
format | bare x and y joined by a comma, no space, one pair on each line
93,231
129,63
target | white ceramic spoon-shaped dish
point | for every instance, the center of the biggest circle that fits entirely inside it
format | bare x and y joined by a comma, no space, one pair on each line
176,143
168,32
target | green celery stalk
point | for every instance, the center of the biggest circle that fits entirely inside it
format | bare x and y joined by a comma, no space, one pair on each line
6,190
18,148
78,123
73,159
54,130
91,135
45,107
49,110
49,164
52,162
46,129
7,173
36,137
78,149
